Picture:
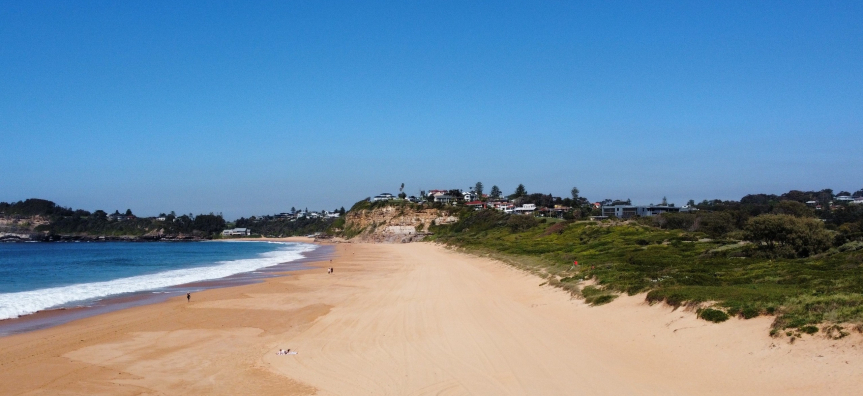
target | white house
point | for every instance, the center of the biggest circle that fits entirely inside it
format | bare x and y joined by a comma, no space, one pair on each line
504,207
443,198
236,232
383,197
525,209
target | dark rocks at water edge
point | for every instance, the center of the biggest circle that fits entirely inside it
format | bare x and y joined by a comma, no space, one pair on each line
10,237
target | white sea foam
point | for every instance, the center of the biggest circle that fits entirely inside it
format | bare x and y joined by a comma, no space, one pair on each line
16,304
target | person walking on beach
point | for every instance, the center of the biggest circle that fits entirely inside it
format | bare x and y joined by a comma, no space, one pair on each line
188,297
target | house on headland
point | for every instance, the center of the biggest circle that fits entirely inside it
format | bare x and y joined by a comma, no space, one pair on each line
383,197
444,198
476,205
626,211
469,196
525,209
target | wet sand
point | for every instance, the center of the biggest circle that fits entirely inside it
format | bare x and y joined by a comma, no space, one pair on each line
416,319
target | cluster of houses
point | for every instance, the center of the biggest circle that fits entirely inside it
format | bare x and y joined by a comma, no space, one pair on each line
442,196
471,199
292,215
839,199
305,214
120,217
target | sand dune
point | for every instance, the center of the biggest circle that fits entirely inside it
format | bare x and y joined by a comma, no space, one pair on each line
417,319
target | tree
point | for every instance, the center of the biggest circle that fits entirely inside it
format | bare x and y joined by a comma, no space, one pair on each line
495,192
787,235
574,193
825,196
664,201
691,203
402,195
520,191
715,224
342,211
793,208
293,209
478,189
210,224
519,223
128,212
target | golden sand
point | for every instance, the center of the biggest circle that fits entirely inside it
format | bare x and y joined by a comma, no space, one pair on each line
417,319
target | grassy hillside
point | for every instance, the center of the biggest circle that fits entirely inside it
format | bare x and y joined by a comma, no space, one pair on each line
679,267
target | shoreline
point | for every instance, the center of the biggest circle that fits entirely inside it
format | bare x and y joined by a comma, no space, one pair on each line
417,319
52,317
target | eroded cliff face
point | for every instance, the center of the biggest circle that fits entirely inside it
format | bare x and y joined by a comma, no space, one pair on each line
20,228
393,224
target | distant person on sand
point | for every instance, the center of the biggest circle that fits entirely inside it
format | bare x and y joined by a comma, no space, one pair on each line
188,297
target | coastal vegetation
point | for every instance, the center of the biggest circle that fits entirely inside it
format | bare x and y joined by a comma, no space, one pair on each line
764,255
41,219
48,219
272,227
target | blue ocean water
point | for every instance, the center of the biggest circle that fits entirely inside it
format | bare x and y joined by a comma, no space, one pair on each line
37,276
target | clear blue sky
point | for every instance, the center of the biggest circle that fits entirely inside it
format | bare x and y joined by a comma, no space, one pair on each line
253,108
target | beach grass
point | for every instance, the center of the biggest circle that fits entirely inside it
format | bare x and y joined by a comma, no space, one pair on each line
671,266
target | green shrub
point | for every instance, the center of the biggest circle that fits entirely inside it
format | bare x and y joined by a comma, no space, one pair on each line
604,299
520,223
749,312
809,329
713,315
596,296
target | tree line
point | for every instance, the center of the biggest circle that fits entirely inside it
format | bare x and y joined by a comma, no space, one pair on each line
68,221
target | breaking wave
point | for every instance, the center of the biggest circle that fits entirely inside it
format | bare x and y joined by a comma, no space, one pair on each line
13,305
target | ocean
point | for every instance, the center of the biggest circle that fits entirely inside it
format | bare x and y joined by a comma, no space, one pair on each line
40,276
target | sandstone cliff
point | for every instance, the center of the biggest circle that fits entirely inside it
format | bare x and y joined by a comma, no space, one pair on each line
393,224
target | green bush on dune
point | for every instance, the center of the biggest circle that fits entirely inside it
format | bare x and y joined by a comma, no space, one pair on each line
712,315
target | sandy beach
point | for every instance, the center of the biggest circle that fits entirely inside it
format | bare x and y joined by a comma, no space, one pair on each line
417,319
